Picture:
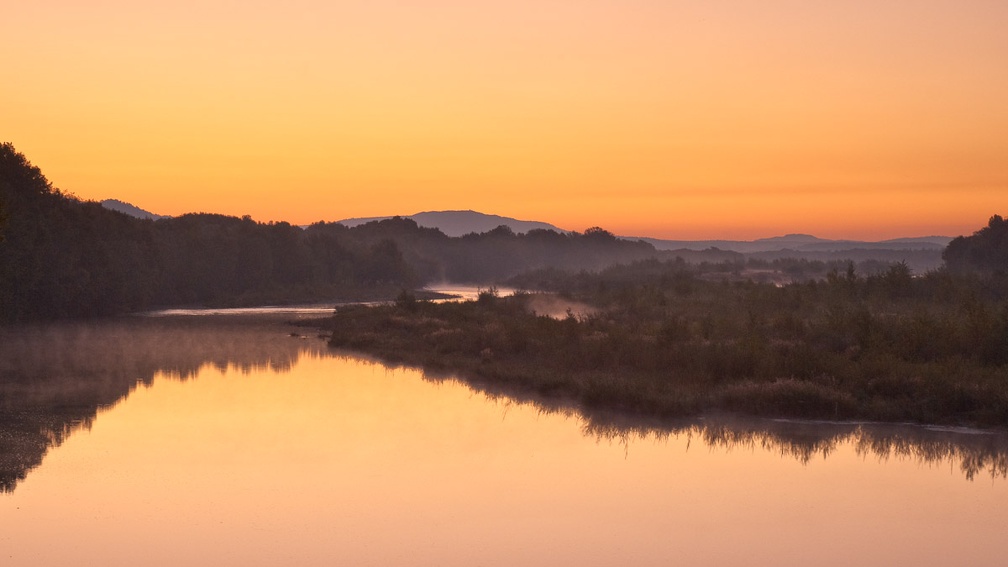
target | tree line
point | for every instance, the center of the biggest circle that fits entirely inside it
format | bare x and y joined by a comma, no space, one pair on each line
63,257
656,338
983,253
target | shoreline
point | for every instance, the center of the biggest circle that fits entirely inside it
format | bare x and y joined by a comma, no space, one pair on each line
601,362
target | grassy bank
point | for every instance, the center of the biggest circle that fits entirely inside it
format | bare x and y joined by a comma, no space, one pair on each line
662,342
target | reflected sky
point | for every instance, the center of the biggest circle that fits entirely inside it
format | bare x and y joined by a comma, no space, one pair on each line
316,310
263,449
455,292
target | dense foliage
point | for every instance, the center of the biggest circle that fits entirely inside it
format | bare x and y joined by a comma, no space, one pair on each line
985,252
63,257
3,220
500,253
659,340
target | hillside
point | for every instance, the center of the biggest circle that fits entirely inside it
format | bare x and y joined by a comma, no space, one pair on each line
803,243
63,258
460,223
130,209
984,252
922,254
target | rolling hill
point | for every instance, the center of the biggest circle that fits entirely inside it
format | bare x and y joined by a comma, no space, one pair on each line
459,223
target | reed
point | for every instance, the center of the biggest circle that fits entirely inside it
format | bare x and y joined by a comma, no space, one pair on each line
661,341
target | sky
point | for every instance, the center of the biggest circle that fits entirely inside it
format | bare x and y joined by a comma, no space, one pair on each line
677,119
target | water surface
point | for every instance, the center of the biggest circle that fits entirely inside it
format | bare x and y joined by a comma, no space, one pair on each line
228,441
454,292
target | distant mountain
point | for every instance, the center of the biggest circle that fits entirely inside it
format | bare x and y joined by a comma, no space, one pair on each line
459,223
63,257
131,210
790,238
801,243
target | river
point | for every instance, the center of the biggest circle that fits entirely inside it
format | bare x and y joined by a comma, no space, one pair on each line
238,440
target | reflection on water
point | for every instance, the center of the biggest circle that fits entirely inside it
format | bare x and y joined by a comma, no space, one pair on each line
293,311
57,377
454,292
256,447
975,452
463,292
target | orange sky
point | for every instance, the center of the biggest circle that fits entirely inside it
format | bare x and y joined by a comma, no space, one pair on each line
728,118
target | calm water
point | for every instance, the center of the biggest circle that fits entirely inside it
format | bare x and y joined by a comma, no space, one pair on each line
456,292
222,441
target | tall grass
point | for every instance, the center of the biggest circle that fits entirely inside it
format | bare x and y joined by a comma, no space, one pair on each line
662,341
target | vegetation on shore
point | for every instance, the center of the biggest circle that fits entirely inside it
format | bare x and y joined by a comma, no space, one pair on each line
59,376
663,341
61,257
663,336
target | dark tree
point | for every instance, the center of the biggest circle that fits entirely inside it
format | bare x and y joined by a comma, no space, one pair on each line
63,257
985,252
3,220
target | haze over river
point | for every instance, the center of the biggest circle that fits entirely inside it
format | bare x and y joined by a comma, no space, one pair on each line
225,440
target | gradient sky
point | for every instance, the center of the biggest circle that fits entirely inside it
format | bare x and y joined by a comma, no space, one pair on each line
733,119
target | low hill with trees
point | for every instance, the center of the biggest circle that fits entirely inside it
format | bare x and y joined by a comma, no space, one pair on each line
659,339
985,252
64,257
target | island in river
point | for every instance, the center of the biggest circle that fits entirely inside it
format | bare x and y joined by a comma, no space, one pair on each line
657,339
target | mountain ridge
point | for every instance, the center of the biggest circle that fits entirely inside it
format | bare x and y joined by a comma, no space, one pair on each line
806,243
460,223
130,209
455,223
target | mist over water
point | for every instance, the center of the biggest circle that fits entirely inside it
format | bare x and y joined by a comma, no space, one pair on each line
56,377
211,430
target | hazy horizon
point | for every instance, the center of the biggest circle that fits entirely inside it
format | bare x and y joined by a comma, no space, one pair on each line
548,221
676,120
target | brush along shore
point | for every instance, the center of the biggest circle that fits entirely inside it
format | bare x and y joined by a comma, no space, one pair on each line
662,343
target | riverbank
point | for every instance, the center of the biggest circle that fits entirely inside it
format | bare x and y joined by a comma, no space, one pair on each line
845,349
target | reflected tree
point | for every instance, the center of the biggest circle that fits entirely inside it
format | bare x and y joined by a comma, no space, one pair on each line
56,377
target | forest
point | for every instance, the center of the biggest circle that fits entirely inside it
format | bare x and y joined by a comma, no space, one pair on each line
670,339
62,257
656,338
665,333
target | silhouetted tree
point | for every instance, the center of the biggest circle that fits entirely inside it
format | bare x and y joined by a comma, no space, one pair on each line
986,251
63,257
3,220
600,234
